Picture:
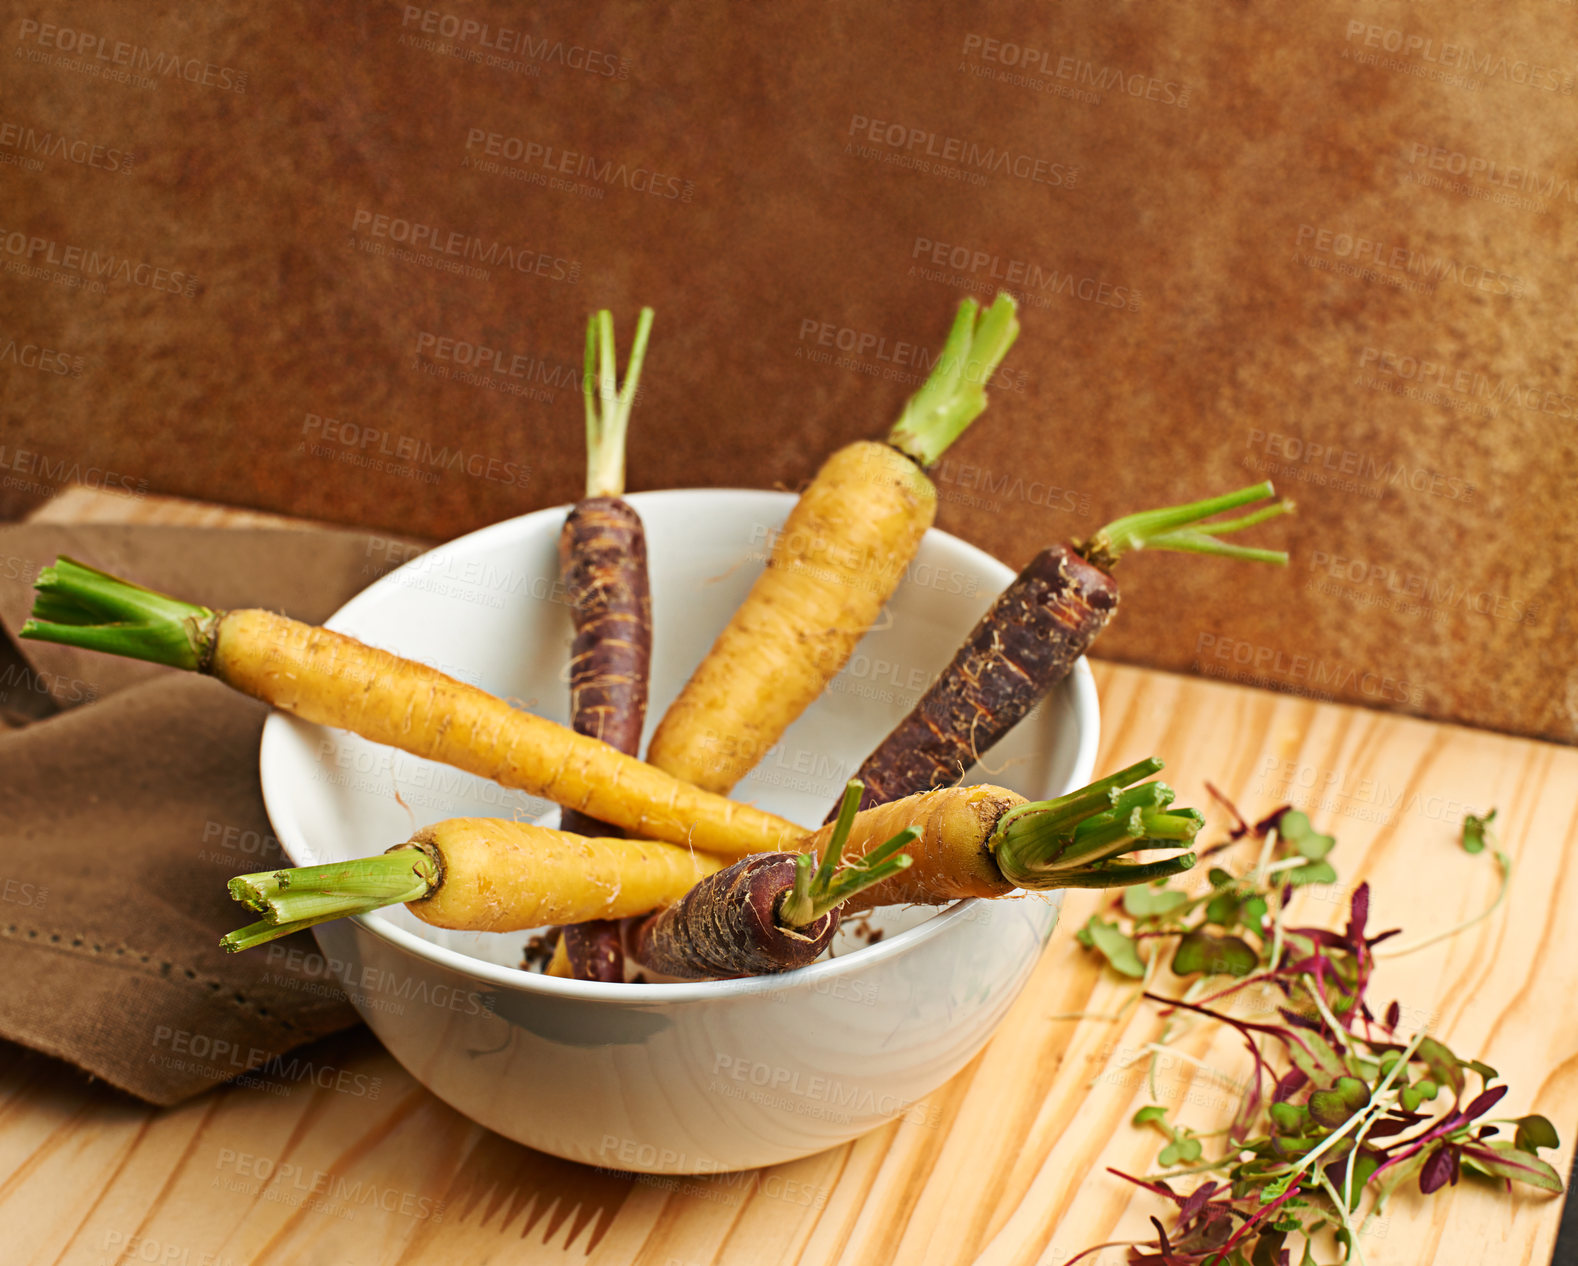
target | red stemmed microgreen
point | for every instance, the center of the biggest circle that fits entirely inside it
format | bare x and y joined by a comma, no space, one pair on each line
1342,1106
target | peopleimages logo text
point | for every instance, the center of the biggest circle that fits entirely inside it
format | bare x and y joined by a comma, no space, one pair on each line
1401,258
1043,63
1453,55
468,246
523,151
37,251
513,43
137,57
1027,277
997,160
28,140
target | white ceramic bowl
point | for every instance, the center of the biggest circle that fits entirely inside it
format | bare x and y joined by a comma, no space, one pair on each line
687,1078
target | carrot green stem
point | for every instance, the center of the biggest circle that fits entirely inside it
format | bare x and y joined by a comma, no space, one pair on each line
1077,805
1150,795
842,826
607,406
886,860
290,900
264,931
820,886
1109,834
1182,528
1109,875
1070,842
954,394
78,605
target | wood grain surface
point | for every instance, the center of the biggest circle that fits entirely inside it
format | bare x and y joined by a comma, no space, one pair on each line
1006,1164
79,504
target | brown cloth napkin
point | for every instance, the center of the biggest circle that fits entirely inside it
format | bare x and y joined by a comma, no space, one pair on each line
128,796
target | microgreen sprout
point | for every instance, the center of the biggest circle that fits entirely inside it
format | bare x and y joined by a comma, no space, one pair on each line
1343,1105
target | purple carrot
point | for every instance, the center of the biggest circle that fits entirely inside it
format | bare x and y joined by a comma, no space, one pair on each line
595,950
1031,637
603,560
769,913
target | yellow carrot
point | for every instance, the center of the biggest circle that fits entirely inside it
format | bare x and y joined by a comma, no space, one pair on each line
486,875
835,563
839,557
559,964
986,841
477,875
950,858
332,679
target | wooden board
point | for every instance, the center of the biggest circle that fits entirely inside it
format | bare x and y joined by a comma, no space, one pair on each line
77,504
1004,1165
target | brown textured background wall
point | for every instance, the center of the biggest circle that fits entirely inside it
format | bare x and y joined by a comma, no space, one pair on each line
1249,230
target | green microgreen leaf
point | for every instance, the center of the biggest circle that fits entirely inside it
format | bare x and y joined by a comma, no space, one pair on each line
1330,1108
1214,955
1511,1163
1143,901
1290,1118
1306,840
1118,949
1476,831
1364,1165
1535,1131
1254,913
1313,1056
1422,1091
1222,910
1317,872
1445,1068
1333,1118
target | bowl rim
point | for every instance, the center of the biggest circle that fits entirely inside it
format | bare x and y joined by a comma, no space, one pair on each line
278,726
